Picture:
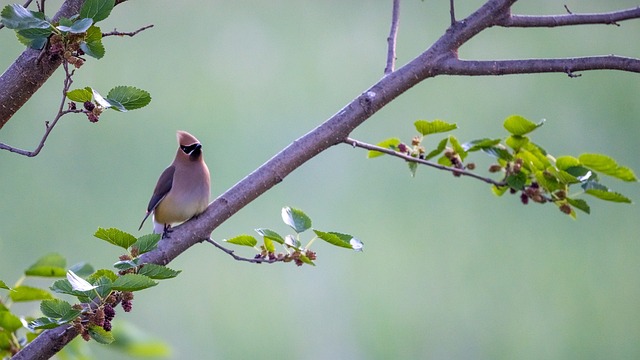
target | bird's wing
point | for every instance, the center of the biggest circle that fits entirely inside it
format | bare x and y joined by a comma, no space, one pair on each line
165,182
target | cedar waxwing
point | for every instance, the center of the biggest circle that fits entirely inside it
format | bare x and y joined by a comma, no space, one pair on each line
182,191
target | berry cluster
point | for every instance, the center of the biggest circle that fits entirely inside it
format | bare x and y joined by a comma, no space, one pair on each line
296,256
67,47
104,314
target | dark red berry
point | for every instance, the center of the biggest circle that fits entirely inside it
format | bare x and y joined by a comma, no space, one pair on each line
524,198
89,105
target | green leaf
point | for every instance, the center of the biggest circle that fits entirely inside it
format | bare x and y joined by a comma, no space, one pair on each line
129,97
80,95
43,323
306,260
268,245
77,27
498,152
518,125
413,166
50,265
17,17
9,322
566,162
82,269
116,237
54,308
243,240
147,243
127,264
516,142
441,146
158,272
270,234
335,238
517,181
579,204
104,286
607,166
296,218
391,143
480,144
92,44
27,293
455,144
499,191
3,285
99,334
33,38
608,195
133,282
431,127
98,10
102,273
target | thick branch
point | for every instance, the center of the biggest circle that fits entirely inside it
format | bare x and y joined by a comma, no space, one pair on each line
453,66
608,18
25,76
438,59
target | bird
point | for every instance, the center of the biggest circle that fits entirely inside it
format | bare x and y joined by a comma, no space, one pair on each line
182,191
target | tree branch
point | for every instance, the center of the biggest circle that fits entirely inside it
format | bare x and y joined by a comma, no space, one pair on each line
438,59
115,32
257,260
453,66
608,18
393,36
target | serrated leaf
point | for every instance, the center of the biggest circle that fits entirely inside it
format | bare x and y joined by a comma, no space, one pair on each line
64,287
579,204
147,243
158,272
441,146
116,237
518,125
268,245
296,218
498,152
103,287
98,99
80,95
129,97
33,38
55,308
390,143
27,293
243,240
517,181
78,283
99,334
425,127
270,234
50,265
133,282
291,241
499,191
9,321
17,17
334,238
98,10
92,44
608,195
516,142
77,27
607,166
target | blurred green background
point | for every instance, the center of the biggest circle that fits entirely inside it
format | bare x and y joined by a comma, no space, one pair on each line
449,271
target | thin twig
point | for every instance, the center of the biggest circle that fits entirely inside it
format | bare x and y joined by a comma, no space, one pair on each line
115,32
452,11
391,40
40,6
608,18
455,171
240,258
68,80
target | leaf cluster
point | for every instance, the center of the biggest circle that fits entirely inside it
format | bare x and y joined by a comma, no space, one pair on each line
526,167
294,251
97,292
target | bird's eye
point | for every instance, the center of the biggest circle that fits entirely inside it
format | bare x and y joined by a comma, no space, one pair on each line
188,149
